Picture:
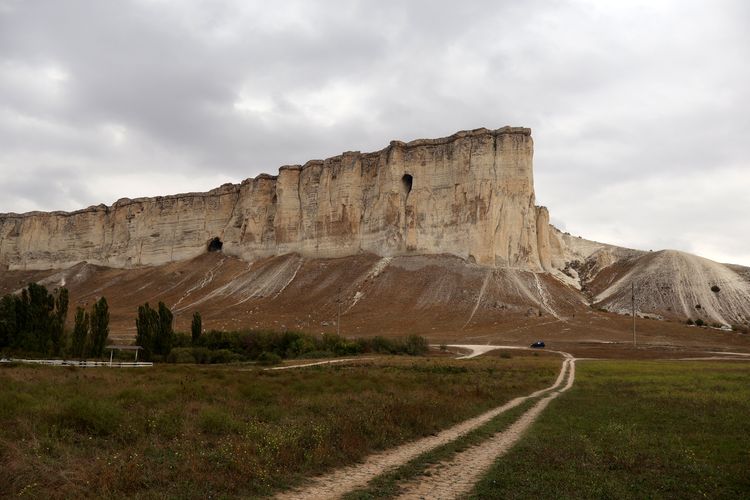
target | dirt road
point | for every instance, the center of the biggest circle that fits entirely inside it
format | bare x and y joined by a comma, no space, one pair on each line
318,363
342,481
455,477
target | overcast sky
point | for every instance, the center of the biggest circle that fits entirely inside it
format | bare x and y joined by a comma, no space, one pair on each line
640,111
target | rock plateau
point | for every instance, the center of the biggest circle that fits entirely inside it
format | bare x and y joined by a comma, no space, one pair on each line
463,204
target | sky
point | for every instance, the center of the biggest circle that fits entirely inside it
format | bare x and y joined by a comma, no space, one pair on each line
640,111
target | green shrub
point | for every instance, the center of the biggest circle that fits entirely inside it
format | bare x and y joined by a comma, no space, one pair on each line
416,345
413,345
317,355
380,345
201,355
216,339
699,322
269,358
182,340
181,355
217,422
89,416
223,347
224,356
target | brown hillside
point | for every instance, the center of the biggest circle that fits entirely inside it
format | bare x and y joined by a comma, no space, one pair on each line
442,297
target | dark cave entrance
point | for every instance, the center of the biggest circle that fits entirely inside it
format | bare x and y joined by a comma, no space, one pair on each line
406,182
215,245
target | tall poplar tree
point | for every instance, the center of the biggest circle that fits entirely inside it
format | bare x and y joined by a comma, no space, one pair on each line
165,333
80,333
99,327
196,327
146,325
57,324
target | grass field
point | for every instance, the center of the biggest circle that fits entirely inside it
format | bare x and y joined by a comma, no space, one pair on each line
198,432
636,430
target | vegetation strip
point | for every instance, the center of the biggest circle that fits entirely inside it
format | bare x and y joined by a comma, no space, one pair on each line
344,480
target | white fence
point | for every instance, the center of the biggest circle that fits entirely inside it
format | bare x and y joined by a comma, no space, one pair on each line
82,364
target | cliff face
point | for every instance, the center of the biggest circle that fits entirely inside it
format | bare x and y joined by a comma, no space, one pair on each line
470,195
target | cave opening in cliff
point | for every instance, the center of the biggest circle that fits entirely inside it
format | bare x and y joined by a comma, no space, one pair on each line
407,181
215,245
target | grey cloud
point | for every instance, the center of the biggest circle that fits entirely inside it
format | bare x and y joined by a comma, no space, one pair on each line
619,97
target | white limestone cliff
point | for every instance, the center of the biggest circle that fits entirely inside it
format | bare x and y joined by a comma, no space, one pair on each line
470,195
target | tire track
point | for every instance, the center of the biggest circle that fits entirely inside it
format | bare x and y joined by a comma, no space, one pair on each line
344,480
456,477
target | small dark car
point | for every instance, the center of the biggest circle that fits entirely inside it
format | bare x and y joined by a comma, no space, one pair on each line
537,345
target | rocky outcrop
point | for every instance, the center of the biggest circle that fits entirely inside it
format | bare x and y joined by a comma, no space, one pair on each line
470,195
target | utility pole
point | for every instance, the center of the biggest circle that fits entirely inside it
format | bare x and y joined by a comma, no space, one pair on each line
338,318
632,301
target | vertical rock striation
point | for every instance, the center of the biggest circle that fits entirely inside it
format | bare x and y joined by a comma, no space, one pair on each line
470,195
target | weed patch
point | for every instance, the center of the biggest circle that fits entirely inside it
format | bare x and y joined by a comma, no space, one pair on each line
89,416
217,422
208,431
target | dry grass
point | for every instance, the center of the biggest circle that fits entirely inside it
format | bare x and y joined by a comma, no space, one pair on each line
189,431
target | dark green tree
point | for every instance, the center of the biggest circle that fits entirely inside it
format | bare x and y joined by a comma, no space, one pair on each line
34,320
80,333
22,318
8,321
146,325
40,319
57,324
165,333
99,327
196,327
154,330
